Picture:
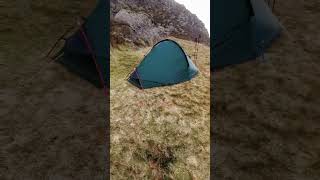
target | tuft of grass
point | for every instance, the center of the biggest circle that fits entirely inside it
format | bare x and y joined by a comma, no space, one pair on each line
159,158
159,133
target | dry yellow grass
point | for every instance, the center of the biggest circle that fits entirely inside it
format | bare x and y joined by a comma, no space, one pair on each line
54,126
267,113
160,132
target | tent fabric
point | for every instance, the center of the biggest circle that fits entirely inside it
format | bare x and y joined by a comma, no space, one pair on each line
242,31
77,56
165,64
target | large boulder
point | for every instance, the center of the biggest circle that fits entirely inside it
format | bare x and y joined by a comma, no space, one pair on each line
143,22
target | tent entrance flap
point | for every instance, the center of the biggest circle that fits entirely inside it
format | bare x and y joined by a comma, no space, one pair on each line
82,66
134,79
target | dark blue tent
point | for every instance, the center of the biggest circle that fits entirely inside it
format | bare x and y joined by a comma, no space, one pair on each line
241,30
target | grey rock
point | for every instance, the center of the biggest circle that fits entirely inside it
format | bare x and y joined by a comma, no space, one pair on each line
143,22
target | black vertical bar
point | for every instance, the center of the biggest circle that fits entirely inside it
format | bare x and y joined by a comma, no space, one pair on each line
212,148
107,81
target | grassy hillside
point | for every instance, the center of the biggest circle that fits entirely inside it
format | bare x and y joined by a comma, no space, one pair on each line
267,113
53,127
159,132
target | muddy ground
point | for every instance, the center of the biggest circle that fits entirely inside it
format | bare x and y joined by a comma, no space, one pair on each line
267,114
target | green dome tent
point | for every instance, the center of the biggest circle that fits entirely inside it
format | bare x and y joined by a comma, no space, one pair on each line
242,30
86,52
165,64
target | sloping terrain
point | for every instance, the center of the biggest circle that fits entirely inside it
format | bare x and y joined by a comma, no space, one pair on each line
159,132
266,113
52,123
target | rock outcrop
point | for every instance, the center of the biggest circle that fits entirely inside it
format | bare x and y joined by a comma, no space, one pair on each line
143,22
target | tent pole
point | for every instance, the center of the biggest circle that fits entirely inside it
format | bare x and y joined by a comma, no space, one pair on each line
94,59
196,49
